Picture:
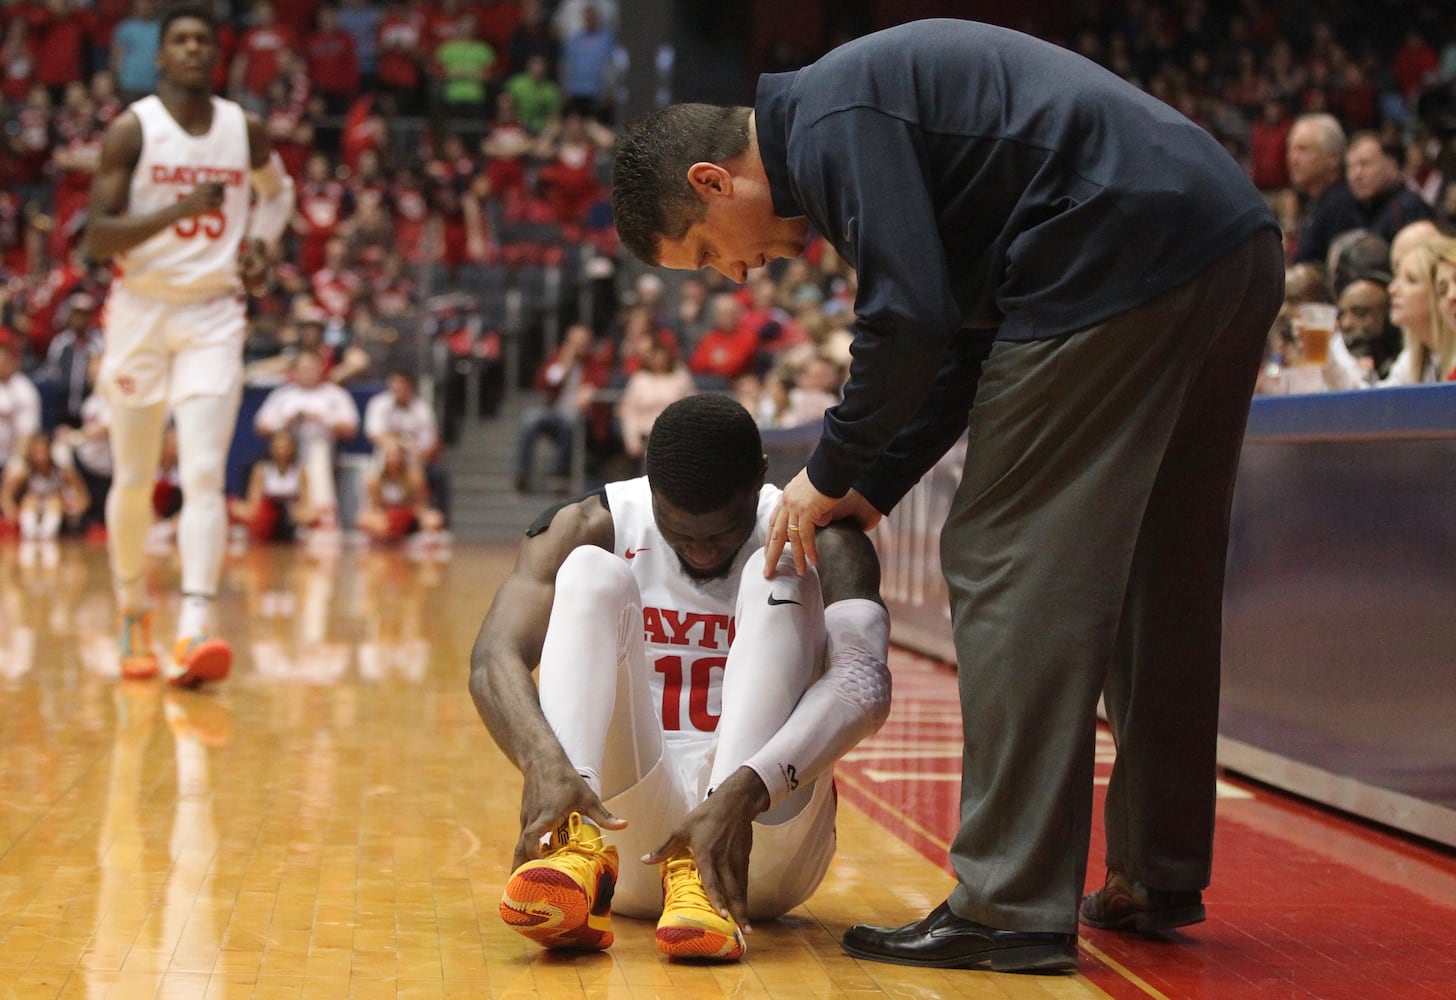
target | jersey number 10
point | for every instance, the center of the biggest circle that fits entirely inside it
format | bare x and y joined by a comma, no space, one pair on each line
699,680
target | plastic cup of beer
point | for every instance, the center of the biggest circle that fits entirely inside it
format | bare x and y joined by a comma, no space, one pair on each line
1314,323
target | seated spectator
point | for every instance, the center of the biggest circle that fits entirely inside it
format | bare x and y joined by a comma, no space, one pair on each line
729,347
1446,283
398,415
68,358
41,495
507,147
1363,323
463,64
319,414
535,98
90,449
333,60
566,380
1376,174
1428,353
662,380
568,149
396,499
276,504
19,401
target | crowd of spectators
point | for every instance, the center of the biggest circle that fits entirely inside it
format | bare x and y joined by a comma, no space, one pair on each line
434,141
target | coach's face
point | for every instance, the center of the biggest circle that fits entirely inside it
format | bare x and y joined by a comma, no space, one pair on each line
739,231
188,53
706,544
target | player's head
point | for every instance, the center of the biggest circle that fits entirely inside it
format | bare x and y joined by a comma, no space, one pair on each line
705,465
688,194
187,51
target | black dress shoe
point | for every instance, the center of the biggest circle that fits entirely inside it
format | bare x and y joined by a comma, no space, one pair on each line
946,941
1123,904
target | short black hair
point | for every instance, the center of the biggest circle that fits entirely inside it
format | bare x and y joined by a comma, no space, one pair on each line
177,11
651,195
704,452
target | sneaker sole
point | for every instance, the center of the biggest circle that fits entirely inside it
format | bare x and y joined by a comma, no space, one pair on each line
699,943
1021,958
208,662
551,908
140,668
1152,921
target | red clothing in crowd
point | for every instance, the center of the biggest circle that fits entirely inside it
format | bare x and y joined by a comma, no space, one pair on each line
498,20
321,207
401,38
63,40
1268,156
332,62
259,49
725,353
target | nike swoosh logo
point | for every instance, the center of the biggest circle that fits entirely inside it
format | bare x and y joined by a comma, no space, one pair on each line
632,553
775,601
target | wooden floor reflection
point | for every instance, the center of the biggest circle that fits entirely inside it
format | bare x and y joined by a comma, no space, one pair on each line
332,821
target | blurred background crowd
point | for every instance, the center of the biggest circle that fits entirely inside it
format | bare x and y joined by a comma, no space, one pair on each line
452,257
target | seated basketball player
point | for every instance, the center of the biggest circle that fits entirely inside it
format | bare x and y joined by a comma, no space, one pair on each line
689,710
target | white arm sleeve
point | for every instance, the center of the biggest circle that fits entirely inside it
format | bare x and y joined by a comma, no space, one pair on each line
848,703
274,209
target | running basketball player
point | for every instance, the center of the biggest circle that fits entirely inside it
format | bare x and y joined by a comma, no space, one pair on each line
689,710
171,203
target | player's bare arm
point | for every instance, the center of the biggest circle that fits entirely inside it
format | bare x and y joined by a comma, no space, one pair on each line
719,832
508,649
111,230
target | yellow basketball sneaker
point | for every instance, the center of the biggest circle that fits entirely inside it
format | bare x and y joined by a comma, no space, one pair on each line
689,926
564,900
198,660
138,659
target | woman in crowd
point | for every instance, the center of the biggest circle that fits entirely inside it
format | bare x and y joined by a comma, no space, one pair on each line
1429,352
276,504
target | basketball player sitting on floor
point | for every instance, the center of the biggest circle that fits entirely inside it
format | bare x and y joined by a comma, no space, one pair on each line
672,671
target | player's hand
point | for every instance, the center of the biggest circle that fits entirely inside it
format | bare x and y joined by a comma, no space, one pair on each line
719,836
549,797
802,509
254,268
205,197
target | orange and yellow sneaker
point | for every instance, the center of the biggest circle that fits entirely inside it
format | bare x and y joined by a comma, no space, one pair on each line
689,926
564,900
138,659
198,660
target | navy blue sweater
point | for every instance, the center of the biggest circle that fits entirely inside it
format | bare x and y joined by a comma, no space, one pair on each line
984,184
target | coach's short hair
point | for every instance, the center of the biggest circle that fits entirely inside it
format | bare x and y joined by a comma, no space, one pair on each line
652,197
704,452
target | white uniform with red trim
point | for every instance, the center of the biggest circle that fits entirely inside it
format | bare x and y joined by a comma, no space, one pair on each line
175,319
688,625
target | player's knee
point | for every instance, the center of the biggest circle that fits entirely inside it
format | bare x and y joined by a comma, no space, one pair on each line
786,582
593,574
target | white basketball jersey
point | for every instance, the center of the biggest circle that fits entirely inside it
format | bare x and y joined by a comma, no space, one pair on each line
687,624
196,259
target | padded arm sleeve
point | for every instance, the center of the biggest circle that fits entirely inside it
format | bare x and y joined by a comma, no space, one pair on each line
849,702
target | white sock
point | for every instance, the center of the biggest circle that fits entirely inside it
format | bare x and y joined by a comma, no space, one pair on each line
29,526
195,618
50,524
131,595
